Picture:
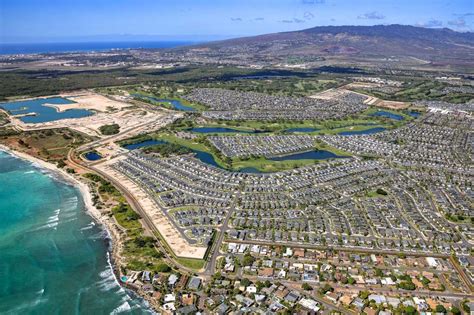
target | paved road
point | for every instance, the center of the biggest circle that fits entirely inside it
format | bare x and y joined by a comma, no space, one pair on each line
133,202
211,265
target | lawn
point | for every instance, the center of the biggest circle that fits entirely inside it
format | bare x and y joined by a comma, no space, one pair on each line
191,263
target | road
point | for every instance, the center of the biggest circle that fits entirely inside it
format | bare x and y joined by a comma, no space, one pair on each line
133,202
215,250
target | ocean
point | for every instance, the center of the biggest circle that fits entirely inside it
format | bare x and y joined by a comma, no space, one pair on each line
36,48
53,256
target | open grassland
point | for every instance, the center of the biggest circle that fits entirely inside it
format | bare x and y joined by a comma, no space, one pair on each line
50,145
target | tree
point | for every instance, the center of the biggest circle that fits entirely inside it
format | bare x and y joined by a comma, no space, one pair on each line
409,310
109,129
248,260
162,267
245,282
440,309
364,294
455,310
307,287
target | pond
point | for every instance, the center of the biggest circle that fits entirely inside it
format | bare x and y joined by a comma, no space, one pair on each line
35,111
414,114
362,132
382,113
92,156
176,104
143,144
301,129
310,155
220,130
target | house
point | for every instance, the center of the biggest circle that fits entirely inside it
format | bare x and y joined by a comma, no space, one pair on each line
379,299
251,289
265,273
194,283
332,296
358,303
309,304
244,300
221,309
292,297
169,298
172,279
370,311
169,307
185,310
146,276
187,299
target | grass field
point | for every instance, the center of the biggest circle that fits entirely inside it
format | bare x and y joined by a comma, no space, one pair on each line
191,263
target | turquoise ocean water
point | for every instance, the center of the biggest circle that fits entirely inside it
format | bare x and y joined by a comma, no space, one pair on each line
53,257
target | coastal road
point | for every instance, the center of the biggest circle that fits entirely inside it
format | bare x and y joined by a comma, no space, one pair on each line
133,202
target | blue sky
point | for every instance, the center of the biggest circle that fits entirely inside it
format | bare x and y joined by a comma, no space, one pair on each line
40,20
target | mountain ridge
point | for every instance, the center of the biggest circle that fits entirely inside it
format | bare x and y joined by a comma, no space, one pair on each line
431,45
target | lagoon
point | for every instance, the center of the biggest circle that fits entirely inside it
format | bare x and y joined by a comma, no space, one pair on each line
143,144
220,130
43,113
92,156
382,113
176,104
310,155
362,132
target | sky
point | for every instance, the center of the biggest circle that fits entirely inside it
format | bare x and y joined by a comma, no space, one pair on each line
69,20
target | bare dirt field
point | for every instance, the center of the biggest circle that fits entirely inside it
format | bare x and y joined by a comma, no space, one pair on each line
391,104
107,111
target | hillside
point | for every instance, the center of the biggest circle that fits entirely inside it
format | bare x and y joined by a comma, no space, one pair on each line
434,46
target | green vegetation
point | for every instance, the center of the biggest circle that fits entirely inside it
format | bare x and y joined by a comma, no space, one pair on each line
167,149
51,145
109,129
191,263
306,287
458,218
136,139
126,217
139,251
247,260
406,285
104,186
416,89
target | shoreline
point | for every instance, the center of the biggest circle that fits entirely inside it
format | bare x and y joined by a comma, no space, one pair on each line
113,232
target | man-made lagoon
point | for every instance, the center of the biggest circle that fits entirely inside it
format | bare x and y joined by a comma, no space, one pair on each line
385,114
92,156
143,144
35,111
220,130
176,104
310,155
362,132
